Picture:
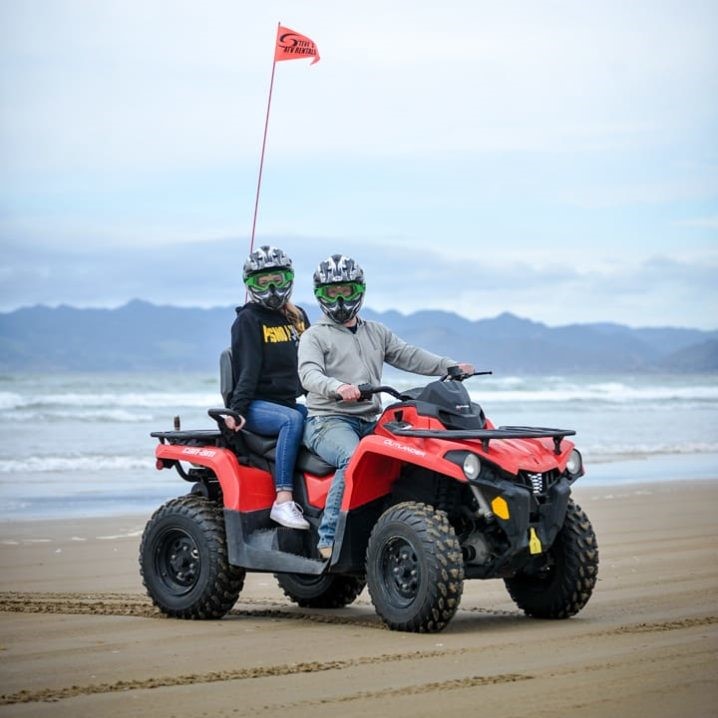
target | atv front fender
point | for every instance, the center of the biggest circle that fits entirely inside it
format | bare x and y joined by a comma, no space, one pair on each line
377,462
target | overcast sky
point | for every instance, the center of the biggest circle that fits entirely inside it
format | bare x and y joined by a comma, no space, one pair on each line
555,159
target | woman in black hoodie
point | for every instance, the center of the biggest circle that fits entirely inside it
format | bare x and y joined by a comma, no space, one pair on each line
265,336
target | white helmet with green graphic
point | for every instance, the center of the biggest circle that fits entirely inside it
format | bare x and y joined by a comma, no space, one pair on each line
339,287
268,276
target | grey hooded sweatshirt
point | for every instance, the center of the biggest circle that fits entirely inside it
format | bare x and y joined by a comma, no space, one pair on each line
331,355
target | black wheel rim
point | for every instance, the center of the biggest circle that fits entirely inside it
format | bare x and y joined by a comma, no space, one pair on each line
400,571
177,561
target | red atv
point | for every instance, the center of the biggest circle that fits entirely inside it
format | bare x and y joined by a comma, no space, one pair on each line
434,496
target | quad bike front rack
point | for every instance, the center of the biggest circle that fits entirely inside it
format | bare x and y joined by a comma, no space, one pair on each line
484,435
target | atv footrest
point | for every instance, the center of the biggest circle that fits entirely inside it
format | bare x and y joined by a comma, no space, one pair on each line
284,540
273,550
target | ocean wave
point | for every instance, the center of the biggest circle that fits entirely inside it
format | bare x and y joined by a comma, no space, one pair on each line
598,450
122,416
150,400
608,392
549,390
57,464
93,463
10,400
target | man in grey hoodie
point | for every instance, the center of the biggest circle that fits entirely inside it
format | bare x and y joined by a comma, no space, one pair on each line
337,354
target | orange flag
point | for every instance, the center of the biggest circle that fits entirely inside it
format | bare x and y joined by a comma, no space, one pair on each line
293,46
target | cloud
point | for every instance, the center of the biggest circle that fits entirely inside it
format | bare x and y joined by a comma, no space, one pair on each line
477,156
656,291
178,85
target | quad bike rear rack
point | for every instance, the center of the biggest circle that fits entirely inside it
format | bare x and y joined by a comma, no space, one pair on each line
484,435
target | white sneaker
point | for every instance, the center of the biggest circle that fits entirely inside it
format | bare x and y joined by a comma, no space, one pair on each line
288,514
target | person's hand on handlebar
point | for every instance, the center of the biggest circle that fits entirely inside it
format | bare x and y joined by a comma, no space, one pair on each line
232,424
467,368
349,392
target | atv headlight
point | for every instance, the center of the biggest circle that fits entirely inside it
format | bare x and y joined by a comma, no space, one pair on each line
471,466
574,463
470,463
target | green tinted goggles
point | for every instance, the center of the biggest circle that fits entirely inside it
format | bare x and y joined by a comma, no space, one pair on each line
280,278
348,291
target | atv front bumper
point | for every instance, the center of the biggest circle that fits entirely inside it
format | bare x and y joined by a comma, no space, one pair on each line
529,523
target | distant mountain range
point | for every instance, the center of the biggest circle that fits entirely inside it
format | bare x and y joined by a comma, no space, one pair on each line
144,337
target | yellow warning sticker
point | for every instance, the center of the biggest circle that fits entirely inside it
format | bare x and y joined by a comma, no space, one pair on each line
534,542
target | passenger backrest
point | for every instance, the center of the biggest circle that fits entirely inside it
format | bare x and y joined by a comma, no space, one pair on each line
226,376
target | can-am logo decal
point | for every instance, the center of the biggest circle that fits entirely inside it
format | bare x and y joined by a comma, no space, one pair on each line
404,447
193,451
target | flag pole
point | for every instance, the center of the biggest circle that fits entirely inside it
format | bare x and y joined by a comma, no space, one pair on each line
264,143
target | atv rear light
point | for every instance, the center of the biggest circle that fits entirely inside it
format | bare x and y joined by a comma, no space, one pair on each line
471,466
574,463
159,464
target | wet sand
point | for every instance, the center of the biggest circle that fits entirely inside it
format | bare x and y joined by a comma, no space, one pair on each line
79,638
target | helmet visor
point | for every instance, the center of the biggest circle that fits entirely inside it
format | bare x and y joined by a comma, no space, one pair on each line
331,293
280,278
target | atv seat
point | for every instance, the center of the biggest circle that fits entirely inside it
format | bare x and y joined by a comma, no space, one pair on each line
265,446
260,450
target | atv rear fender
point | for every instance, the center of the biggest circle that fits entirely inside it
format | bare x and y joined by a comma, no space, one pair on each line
257,488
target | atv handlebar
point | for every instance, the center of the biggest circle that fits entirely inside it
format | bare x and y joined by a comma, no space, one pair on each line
367,390
454,374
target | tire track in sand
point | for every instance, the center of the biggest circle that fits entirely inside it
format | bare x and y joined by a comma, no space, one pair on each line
56,694
129,604
117,604
99,604
125,604
452,684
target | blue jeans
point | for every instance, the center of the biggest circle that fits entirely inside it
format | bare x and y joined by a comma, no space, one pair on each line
287,424
335,439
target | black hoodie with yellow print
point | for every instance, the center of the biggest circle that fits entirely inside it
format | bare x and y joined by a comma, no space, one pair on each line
264,356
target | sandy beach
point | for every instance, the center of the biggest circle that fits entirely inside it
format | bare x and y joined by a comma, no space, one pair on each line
79,637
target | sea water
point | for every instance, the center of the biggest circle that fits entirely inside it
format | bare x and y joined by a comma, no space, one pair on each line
79,444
